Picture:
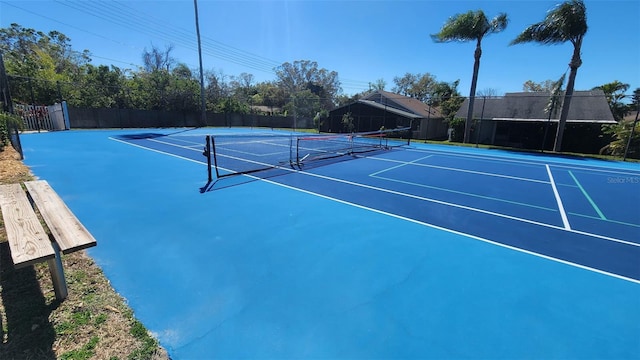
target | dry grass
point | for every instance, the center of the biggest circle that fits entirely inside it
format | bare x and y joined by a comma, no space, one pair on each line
94,322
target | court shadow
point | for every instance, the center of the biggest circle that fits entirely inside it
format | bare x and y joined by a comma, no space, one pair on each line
151,135
140,136
241,179
27,333
277,171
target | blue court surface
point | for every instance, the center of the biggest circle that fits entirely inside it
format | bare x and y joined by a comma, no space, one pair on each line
423,251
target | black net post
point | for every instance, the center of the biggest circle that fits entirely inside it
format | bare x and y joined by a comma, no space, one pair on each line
213,155
207,153
297,162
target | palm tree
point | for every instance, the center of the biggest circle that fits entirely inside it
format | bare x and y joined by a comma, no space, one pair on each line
566,22
552,104
614,92
473,25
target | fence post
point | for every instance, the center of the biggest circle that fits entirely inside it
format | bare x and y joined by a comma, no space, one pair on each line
633,127
65,113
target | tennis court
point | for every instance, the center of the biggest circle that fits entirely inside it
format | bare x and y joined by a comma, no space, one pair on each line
418,251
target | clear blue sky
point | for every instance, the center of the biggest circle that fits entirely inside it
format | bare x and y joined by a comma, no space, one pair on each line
361,40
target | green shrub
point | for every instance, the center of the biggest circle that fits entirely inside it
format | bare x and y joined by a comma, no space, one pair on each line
457,124
8,121
621,132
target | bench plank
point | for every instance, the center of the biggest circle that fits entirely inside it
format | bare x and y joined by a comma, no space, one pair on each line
68,231
28,241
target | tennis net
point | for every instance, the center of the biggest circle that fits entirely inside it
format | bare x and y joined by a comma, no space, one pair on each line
247,153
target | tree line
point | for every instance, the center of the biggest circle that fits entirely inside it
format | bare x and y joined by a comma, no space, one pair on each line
566,22
43,68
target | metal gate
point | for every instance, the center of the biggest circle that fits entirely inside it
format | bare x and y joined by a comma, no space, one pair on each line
38,117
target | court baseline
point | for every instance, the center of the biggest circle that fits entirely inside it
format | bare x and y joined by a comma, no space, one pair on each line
603,254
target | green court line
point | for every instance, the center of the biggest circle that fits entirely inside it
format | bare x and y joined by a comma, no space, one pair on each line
606,220
464,193
586,195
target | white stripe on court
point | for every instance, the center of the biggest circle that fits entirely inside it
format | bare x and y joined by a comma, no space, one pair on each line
176,145
449,230
462,207
424,223
563,214
402,163
161,152
222,147
455,169
397,193
462,193
194,143
497,158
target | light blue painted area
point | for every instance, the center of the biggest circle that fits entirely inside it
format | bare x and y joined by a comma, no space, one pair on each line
262,271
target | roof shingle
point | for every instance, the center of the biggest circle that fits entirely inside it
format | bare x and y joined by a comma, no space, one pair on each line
586,106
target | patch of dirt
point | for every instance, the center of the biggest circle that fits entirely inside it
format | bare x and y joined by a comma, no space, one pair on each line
12,169
93,322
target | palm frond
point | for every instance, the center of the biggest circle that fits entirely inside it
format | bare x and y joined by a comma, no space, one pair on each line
472,25
460,27
499,23
566,22
555,99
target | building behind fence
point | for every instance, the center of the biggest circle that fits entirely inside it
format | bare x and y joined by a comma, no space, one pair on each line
583,135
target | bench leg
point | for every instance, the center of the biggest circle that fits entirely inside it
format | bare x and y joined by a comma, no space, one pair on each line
57,274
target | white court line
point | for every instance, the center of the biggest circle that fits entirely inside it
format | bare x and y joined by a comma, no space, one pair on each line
194,143
424,223
457,170
402,163
467,208
190,147
497,158
563,214
161,152
403,194
463,193
449,230
220,147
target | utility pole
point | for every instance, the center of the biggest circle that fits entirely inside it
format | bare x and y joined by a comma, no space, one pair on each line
4,88
633,127
203,106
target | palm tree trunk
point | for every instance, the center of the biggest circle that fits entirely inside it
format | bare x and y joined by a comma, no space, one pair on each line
574,65
472,92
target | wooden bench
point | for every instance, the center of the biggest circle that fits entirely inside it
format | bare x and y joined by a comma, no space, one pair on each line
29,243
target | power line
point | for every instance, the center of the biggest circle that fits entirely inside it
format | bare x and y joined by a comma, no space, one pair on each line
155,27
142,25
79,29
158,23
230,48
125,16
69,25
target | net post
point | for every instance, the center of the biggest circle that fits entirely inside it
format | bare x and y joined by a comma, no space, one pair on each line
207,154
215,159
297,150
351,141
